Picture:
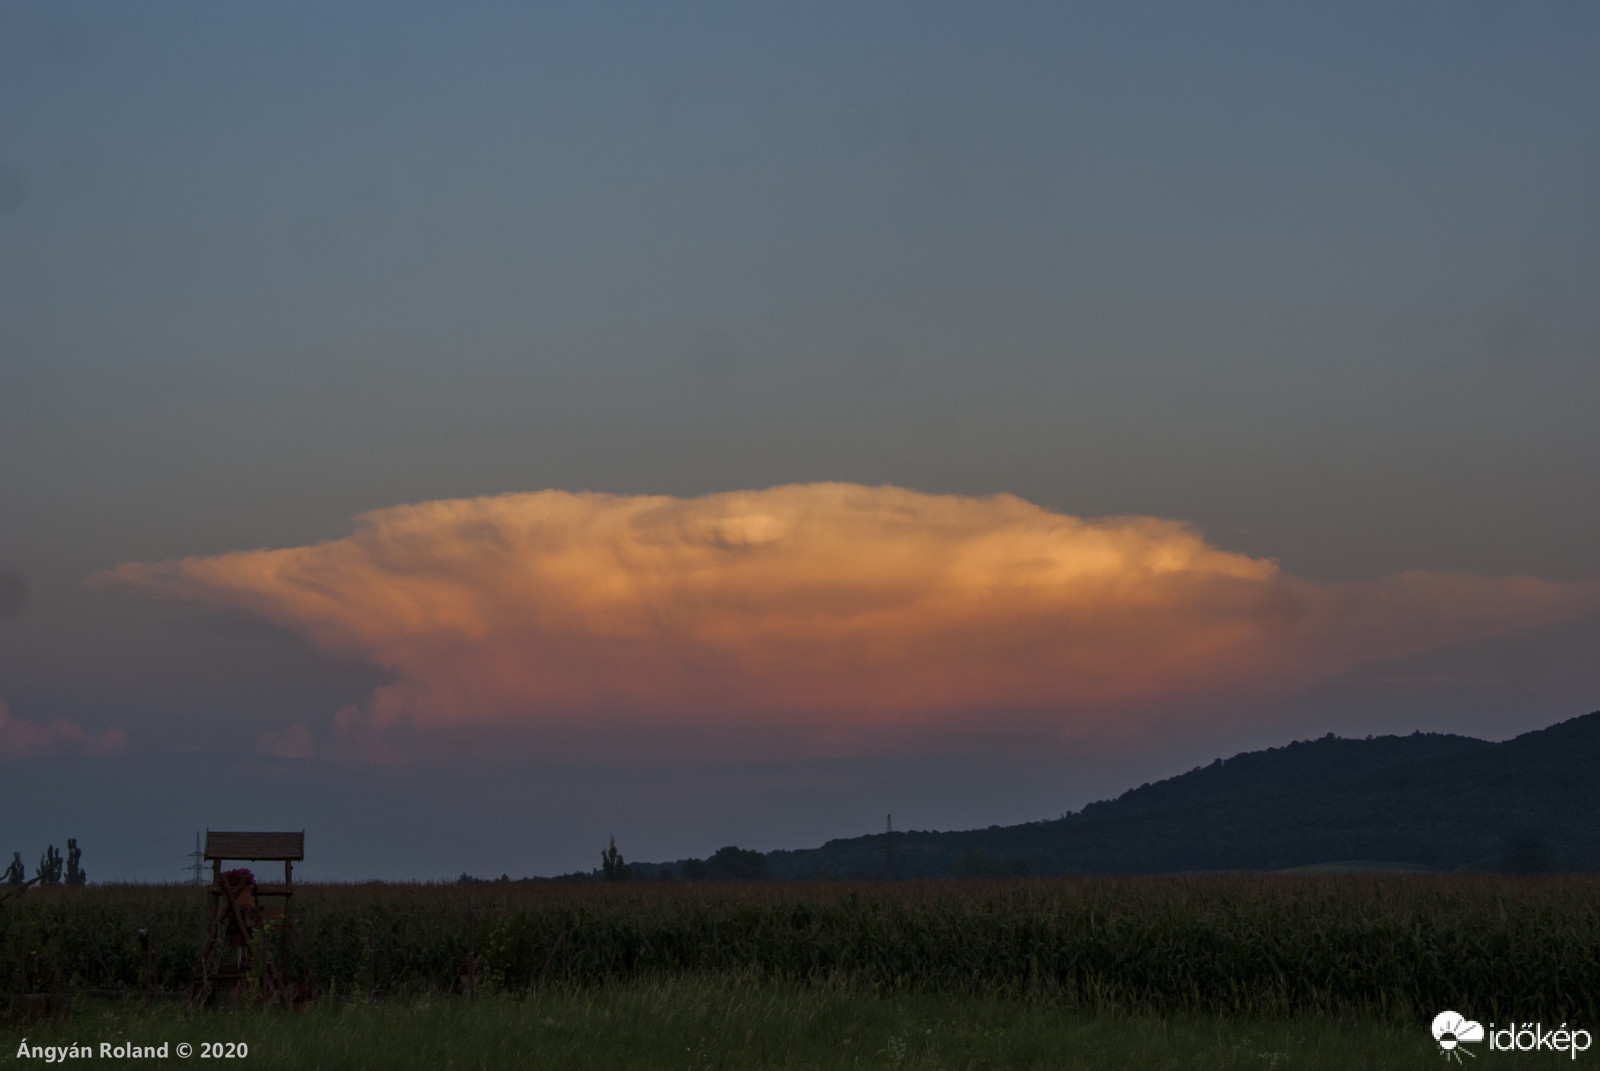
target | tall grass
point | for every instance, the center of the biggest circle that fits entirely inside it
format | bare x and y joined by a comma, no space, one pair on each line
1394,946
697,1024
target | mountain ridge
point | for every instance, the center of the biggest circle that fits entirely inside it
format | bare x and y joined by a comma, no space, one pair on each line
1434,801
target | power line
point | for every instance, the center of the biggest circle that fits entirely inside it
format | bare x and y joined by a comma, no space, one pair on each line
197,858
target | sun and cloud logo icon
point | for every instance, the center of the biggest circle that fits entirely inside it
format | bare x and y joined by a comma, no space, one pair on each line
1452,1030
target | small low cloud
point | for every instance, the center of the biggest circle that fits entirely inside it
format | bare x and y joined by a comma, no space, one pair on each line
829,611
20,739
295,742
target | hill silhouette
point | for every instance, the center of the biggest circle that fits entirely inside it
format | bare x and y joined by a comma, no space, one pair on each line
1425,801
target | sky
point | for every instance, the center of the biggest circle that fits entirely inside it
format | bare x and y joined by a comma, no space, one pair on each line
468,433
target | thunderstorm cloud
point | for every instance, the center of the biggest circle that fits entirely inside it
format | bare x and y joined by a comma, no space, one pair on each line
831,606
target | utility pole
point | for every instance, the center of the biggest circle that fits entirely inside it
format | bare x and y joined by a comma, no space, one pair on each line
195,868
888,846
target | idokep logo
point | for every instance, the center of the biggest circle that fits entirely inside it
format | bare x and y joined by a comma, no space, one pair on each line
1451,1030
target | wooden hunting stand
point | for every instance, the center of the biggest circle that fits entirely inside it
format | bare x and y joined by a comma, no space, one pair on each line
244,912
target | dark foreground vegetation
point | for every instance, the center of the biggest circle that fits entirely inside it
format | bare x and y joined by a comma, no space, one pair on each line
690,1024
1382,947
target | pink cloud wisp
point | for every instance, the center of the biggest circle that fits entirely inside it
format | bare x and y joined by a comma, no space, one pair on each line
20,739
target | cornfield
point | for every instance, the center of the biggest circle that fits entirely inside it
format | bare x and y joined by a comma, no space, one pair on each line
1375,945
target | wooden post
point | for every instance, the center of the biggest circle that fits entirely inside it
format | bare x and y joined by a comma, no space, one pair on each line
288,901
213,893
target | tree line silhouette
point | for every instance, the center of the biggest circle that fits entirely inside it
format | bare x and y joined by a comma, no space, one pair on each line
53,869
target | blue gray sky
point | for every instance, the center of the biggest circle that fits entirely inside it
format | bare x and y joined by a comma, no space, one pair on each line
1318,282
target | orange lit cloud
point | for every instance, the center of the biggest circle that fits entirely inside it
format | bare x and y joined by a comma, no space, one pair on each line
832,606
21,739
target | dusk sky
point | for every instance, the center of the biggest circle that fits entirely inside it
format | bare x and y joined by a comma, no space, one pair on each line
467,432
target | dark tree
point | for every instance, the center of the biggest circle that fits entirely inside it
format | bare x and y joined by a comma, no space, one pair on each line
611,864
76,875
14,873
736,864
694,870
49,872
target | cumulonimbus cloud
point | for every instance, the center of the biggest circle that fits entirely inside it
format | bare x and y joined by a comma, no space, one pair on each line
21,739
832,605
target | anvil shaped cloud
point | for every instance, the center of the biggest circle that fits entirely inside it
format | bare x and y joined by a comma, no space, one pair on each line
829,605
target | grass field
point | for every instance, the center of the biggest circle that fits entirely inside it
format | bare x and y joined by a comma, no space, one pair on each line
1378,946
1195,971
688,1023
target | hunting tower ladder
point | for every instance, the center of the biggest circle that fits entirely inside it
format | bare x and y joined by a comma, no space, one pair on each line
244,912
